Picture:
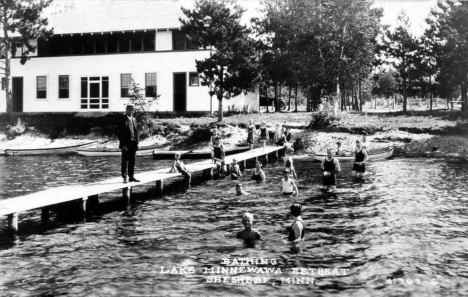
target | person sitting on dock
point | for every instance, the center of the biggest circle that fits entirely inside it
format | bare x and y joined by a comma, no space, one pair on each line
339,150
297,231
179,167
248,233
263,133
330,167
235,170
216,132
359,167
258,174
128,143
218,157
288,161
250,133
288,185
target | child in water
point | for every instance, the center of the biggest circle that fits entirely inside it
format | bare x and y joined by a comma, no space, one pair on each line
330,167
288,185
250,133
288,161
179,167
297,232
248,233
235,170
339,150
240,190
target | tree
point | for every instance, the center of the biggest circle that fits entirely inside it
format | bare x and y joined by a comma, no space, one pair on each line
140,98
21,22
232,68
385,84
399,49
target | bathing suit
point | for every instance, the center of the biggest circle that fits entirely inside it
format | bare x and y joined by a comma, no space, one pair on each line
281,140
288,137
263,133
250,134
286,187
330,167
292,236
257,177
359,158
218,153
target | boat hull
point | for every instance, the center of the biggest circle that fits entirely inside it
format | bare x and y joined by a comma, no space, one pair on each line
164,155
114,152
379,155
48,151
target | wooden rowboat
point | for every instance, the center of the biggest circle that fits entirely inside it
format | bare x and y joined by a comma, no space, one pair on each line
59,150
204,154
373,155
115,152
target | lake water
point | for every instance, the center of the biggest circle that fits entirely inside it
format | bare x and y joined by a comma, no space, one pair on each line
400,232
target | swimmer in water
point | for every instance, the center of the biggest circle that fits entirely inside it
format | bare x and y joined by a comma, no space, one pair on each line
288,161
258,174
330,167
288,185
339,150
248,233
240,190
297,232
235,170
359,167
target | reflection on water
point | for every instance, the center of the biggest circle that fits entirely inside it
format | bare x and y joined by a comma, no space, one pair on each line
406,222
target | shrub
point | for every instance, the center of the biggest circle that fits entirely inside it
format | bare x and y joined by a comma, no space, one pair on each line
322,119
15,130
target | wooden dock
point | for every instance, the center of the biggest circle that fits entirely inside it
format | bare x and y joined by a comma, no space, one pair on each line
90,192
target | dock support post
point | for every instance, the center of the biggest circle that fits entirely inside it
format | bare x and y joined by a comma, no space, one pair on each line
266,159
45,215
208,173
242,165
276,155
83,203
228,169
159,188
126,192
13,222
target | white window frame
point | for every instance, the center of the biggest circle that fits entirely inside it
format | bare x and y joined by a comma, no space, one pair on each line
47,88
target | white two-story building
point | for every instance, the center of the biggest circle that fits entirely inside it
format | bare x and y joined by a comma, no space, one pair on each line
98,47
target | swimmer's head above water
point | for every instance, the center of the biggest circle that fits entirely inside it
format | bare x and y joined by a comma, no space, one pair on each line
239,190
177,156
247,220
329,152
286,173
296,209
258,164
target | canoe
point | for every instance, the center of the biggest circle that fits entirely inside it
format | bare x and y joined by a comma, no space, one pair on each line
115,152
59,150
373,155
164,155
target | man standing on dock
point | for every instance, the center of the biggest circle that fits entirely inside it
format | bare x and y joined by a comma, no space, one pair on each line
128,143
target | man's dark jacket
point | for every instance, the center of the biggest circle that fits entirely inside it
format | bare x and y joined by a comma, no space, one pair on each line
124,134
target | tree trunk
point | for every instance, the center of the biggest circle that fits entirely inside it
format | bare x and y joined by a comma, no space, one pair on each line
290,91
464,96
360,95
430,89
220,97
295,99
276,95
280,96
7,53
309,96
404,95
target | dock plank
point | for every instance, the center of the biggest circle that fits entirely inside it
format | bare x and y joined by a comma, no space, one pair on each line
68,193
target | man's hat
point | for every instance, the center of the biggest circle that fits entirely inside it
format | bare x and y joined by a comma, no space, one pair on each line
130,105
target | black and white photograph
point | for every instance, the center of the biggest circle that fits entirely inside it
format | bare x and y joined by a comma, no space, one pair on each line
233,148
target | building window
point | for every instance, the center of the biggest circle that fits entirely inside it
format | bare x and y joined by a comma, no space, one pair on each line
151,85
180,41
125,81
3,83
64,87
41,87
194,79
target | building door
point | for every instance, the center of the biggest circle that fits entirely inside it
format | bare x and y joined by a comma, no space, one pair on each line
17,94
95,92
180,91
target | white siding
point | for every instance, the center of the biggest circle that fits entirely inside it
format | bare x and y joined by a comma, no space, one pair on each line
164,41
